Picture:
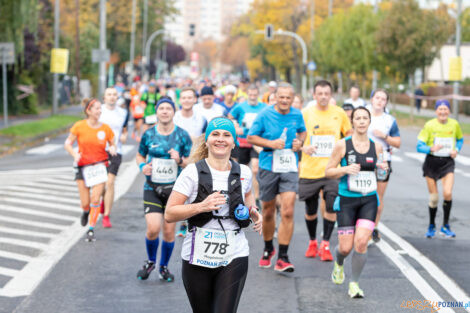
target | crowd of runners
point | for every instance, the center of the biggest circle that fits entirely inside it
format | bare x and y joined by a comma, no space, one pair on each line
220,158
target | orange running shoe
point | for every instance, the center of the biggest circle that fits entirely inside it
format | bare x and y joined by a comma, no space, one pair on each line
325,254
312,249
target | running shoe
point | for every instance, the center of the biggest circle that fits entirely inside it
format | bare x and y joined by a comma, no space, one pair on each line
375,235
355,291
445,231
84,218
90,236
283,265
106,222
166,275
144,273
183,230
312,249
431,231
325,254
266,258
337,276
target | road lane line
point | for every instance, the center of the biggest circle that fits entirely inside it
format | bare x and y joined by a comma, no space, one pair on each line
44,149
462,160
38,213
52,205
15,256
411,274
396,158
24,243
8,271
45,197
445,281
41,191
14,231
415,155
60,182
51,185
42,171
32,274
22,221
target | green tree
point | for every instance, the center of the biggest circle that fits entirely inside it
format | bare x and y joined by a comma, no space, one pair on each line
466,25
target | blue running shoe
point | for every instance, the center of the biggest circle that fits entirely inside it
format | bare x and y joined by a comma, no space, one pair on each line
431,231
445,231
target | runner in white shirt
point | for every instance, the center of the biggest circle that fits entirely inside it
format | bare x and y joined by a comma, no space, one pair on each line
217,214
186,118
115,117
207,107
355,100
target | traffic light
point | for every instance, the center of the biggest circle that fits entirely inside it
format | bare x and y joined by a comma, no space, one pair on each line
268,32
192,30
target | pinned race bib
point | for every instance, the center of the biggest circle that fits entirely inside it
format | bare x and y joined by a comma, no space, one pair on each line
94,174
164,171
363,182
284,161
249,119
138,109
323,145
151,119
447,146
212,248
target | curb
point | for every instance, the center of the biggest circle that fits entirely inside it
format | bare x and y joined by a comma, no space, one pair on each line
30,142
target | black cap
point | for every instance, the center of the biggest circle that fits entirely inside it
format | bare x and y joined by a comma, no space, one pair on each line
206,90
348,106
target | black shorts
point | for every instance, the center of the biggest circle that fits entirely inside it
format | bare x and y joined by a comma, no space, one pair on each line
246,154
114,163
136,119
388,173
155,200
437,167
353,211
309,188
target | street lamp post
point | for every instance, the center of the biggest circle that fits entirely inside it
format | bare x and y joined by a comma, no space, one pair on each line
102,73
55,87
458,37
131,54
149,43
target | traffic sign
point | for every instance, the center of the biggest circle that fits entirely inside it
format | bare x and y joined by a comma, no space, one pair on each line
311,66
98,55
7,52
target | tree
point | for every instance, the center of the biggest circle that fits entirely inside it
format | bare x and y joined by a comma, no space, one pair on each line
174,54
466,25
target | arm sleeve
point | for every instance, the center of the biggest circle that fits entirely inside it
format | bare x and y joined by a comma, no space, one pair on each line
421,147
394,131
459,144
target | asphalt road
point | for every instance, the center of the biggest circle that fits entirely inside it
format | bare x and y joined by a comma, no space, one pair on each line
101,276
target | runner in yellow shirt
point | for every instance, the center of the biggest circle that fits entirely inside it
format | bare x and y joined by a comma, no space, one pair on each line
326,124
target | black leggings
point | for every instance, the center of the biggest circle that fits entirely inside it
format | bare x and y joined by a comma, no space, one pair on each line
215,290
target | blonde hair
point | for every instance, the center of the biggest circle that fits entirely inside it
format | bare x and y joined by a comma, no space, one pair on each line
201,152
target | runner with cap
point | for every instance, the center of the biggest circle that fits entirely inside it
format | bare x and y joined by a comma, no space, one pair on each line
280,130
207,107
272,86
441,139
215,195
163,152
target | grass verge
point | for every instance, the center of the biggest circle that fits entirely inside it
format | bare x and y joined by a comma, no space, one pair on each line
39,127
404,120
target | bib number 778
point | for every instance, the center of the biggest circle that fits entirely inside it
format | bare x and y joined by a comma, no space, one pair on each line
222,247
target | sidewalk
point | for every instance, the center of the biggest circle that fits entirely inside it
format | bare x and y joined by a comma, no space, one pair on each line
15,120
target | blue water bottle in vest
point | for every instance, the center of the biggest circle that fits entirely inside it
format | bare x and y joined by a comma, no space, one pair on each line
242,213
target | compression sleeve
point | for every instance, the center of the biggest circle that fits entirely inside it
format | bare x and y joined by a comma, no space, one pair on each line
421,147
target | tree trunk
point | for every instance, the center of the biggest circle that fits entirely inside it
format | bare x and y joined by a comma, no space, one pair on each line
77,49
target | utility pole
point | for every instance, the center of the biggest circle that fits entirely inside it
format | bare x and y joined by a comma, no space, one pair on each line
55,87
131,54
458,37
144,38
374,72
312,38
330,8
102,74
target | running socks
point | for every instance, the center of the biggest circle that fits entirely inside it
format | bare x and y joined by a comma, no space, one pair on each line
167,249
152,247
328,227
282,251
432,215
339,257
268,245
312,228
358,261
446,207
94,213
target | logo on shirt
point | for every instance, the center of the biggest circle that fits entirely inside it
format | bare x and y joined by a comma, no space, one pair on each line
101,135
351,159
154,146
370,160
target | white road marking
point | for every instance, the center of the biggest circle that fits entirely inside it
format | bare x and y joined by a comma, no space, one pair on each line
22,221
14,231
42,197
445,281
396,158
411,274
43,171
24,243
462,160
126,149
15,256
417,156
31,275
51,205
64,218
41,191
8,271
70,183
51,185
45,149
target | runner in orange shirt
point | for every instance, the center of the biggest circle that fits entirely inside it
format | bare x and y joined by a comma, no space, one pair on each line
91,160
137,109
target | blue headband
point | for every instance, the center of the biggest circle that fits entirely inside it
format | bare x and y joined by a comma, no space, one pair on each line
165,100
222,123
442,102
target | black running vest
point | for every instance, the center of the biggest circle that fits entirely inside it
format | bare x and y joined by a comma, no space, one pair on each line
367,161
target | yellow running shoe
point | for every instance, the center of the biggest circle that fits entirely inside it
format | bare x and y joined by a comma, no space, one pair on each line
355,291
337,276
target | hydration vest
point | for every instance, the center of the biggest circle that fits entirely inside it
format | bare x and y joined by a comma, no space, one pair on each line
367,161
204,189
